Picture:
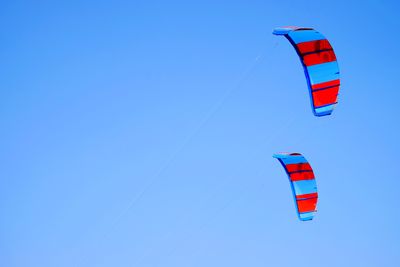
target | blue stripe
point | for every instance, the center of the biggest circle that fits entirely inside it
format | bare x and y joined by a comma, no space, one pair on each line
325,110
324,72
323,114
305,36
293,160
304,187
306,216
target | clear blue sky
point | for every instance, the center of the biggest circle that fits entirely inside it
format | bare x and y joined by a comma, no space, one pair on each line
140,133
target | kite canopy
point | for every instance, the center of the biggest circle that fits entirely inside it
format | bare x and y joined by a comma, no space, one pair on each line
320,66
302,181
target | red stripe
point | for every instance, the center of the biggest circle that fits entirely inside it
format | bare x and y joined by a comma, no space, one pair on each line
312,46
325,97
298,167
307,205
299,176
319,58
311,195
325,84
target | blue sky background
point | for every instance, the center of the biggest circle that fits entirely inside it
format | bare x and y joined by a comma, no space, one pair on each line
140,133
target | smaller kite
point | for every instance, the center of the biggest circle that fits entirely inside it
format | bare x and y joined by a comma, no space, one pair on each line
302,181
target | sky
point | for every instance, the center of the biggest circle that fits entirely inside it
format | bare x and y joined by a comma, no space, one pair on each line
141,133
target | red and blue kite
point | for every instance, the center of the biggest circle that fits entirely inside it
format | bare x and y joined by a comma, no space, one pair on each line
320,66
302,181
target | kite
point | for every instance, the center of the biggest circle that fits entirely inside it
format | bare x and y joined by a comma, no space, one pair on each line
320,66
302,181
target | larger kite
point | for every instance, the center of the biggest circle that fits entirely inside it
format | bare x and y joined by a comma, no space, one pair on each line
303,183
320,66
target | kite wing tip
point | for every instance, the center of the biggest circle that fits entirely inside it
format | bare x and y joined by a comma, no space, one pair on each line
286,29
